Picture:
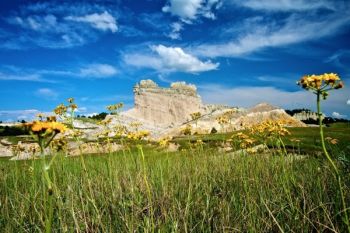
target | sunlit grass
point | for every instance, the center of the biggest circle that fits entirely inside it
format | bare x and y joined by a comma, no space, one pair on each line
184,191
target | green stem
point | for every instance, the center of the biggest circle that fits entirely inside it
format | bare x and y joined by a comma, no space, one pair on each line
50,140
346,217
149,194
283,146
48,220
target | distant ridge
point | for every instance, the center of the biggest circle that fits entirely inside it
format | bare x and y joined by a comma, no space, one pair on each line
262,107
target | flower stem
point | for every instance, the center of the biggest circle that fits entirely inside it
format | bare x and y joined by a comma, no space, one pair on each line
336,171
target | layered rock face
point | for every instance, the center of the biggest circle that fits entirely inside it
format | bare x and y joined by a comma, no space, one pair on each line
164,106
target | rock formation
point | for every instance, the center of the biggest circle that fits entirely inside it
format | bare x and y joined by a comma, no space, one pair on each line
307,115
164,107
240,119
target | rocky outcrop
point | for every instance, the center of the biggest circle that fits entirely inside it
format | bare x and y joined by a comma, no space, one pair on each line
252,118
24,151
164,107
262,107
307,115
239,119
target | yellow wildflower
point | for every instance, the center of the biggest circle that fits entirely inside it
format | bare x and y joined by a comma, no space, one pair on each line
60,109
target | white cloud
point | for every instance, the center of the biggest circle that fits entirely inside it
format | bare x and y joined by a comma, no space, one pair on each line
88,71
64,25
285,5
104,21
36,22
348,102
339,59
262,35
27,114
338,115
174,58
33,24
249,96
189,10
46,31
22,117
170,59
175,32
143,60
46,93
98,71
186,9
81,110
24,77
91,114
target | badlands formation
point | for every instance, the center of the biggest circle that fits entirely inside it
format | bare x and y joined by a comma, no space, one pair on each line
166,111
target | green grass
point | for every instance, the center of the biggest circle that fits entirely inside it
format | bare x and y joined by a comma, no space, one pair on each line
191,191
309,139
340,125
16,139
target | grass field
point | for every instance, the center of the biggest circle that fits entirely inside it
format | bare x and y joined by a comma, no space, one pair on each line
145,189
309,139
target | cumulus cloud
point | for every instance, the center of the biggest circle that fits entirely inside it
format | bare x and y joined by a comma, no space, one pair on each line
348,102
46,93
104,21
174,58
189,10
285,5
98,71
186,9
170,59
338,115
260,35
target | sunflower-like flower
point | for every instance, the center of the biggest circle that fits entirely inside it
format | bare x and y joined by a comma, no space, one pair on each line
51,118
39,127
222,120
60,110
187,130
73,106
138,135
114,108
44,132
244,140
195,115
321,84
164,142
270,129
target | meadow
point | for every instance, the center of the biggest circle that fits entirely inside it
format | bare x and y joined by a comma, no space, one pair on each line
198,189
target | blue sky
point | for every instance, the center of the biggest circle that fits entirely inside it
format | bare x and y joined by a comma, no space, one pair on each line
238,53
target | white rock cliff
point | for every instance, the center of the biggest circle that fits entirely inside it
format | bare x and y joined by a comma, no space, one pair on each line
164,107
